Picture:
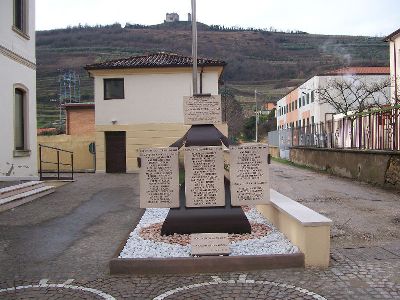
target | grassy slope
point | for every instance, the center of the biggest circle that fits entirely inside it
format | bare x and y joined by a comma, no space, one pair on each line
272,63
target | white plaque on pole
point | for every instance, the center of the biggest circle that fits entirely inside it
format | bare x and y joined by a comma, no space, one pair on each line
159,177
202,110
249,174
204,176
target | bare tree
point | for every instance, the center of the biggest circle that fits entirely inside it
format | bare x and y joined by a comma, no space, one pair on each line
349,95
232,112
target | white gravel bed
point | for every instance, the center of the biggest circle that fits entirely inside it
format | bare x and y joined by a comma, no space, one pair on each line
137,247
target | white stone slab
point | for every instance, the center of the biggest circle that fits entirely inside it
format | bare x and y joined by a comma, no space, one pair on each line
202,110
209,244
249,174
304,215
204,176
159,178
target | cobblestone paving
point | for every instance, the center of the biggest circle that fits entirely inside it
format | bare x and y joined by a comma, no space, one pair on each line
77,267
349,277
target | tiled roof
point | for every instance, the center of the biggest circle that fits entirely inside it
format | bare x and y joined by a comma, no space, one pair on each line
155,60
393,34
360,71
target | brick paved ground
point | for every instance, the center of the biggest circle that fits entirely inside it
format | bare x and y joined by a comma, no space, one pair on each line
68,238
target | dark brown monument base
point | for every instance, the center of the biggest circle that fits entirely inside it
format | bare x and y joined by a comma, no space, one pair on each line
205,264
185,220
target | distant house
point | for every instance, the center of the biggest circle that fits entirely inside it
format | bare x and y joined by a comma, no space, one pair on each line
301,107
394,40
269,106
18,150
79,119
139,103
171,17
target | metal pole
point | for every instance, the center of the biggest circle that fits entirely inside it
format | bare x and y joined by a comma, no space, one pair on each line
255,98
40,162
72,166
58,165
194,46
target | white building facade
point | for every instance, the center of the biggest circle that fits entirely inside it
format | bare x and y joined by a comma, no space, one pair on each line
302,106
18,151
394,48
139,103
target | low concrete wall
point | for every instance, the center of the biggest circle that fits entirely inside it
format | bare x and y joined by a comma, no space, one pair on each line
377,167
305,228
83,159
274,151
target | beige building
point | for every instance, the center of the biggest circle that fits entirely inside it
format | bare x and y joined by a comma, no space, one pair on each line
139,103
18,149
394,43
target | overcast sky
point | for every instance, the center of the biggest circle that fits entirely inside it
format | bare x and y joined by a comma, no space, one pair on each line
349,17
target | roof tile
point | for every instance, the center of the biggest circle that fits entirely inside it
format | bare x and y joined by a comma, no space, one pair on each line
155,60
360,71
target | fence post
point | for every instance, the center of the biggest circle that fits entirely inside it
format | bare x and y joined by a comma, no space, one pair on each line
58,165
40,162
72,166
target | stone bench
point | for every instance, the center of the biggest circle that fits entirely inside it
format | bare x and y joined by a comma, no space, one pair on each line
305,228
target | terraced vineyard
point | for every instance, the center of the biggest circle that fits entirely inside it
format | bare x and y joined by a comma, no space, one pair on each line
271,62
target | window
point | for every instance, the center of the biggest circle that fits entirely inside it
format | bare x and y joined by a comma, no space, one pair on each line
19,120
304,100
295,105
308,98
312,120
21,15
114,88
312,97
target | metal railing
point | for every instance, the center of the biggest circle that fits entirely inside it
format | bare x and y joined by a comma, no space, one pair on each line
45,174
377,130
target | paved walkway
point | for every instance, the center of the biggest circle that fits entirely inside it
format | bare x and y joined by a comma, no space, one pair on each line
58,247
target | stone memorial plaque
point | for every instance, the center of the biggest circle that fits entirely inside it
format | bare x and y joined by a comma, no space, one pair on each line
202,110
204,176
159,178
249,174
209,244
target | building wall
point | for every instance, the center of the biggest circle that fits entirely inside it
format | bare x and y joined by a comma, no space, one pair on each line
395,69
151,113
80,121
151,96
141,136
301,113
17,69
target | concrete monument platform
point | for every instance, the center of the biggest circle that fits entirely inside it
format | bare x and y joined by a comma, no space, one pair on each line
186,220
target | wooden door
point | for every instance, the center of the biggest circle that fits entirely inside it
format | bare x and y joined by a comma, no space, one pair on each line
115,152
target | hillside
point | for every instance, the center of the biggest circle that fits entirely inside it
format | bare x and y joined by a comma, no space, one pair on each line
272,62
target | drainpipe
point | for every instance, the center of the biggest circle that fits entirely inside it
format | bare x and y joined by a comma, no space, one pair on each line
395,96
395,125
